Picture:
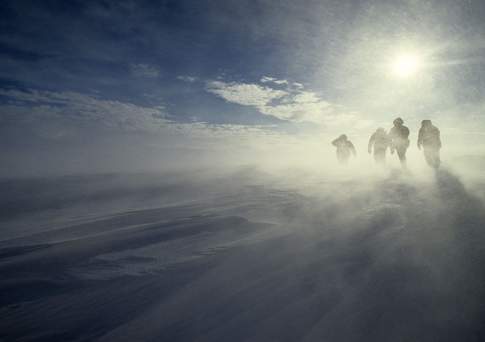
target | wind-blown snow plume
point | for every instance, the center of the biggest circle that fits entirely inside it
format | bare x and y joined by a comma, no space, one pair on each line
291,257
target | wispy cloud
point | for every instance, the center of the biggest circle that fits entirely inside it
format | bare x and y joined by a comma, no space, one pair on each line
34,105
75,110
266,79
273,80
144,70
186,78
245,94
292,103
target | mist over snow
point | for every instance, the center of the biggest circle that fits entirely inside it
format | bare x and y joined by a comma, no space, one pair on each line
246,255
167,171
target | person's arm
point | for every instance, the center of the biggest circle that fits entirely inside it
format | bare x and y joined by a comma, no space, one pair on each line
438,137
420,138
335,142
371,142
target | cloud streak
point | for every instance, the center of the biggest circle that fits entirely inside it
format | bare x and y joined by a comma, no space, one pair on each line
35,105
293,103
245,94
145,70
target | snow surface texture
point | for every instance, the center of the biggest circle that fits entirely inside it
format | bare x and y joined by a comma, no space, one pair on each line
242,257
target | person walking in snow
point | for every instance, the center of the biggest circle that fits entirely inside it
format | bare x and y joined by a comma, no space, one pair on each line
345,149
379,142
399,140
429,139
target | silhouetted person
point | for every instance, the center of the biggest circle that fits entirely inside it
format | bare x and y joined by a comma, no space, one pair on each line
344,149
429,138
399,140
379,141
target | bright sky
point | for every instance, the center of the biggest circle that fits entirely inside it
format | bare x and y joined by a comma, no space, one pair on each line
105,80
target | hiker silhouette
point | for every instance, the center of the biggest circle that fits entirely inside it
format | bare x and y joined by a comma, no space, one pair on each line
345,149
378,143
429,139
399,140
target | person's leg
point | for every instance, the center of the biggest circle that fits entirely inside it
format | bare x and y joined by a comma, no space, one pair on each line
342,158
401,153
380,156
428,156
432,156
437,159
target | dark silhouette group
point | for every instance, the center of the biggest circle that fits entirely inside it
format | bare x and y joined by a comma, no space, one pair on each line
397,140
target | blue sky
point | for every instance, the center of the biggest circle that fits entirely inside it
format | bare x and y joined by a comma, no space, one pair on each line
169,71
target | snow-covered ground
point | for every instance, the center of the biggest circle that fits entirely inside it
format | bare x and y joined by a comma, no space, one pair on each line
244,256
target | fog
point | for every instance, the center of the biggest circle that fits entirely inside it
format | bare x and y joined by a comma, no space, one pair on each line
251,235
353,253
167,171
93,151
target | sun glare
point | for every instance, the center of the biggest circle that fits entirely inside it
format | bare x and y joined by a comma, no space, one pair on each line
406,66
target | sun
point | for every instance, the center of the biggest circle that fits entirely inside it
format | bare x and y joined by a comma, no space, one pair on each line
406,65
